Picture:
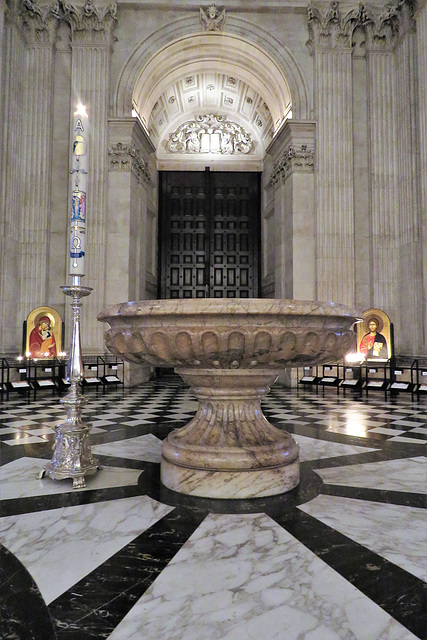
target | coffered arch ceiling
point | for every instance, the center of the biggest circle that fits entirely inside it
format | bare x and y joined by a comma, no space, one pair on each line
216,74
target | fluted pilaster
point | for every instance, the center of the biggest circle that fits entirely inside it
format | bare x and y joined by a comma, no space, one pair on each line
410,250
2,13
40,31
91,49
384,186
421,20
335,214
330,44
13,59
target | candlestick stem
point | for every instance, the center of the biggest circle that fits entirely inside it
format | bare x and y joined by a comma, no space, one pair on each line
72,457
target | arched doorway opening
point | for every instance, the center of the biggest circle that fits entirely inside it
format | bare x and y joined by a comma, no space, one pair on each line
222,102
211,104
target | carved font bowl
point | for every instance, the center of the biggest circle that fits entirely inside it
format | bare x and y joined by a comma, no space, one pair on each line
229,333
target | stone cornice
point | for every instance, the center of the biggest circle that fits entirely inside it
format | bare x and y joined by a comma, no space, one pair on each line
126,157
294,160
335,30
89,24
40,22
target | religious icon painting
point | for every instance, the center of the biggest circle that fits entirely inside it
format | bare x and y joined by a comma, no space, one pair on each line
78,207
374,336
44,333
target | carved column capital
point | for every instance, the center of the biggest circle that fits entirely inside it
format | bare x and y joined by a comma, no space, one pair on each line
294,160
40,22
326,32
381,31
387,29
90,25
123,157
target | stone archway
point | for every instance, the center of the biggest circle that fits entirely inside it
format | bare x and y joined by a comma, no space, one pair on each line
282,71
253,57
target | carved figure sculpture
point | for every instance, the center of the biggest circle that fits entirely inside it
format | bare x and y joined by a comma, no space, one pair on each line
212,19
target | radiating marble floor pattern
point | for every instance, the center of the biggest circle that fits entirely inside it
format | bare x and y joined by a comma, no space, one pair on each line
342,557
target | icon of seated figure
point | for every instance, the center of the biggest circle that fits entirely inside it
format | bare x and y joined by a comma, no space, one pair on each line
42,341
373,343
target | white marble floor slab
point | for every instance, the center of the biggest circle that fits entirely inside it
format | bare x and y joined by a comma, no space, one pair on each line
23,439
147,448
358,430
177,417
59,547
333,421
40,431
20,423
6,430
397,533
19,479
243,577
409,475
312,449
387,432
409,440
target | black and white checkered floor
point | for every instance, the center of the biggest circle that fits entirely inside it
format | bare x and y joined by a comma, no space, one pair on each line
341,557
28,420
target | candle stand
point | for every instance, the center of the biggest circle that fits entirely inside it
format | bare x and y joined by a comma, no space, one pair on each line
72,457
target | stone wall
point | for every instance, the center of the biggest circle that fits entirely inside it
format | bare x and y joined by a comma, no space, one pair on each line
344,181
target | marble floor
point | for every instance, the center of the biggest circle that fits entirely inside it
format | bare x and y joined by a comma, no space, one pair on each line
342,557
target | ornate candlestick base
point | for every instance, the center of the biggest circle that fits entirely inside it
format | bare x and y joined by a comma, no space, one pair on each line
72,456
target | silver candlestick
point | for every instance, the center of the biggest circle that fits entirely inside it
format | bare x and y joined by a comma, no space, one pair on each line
72,457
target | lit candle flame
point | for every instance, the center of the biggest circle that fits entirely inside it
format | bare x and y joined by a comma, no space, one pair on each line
355,357
81,110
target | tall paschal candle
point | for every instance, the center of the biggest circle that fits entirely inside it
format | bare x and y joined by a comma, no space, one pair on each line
80,140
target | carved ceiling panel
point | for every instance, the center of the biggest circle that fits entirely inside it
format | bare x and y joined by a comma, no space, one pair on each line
199,94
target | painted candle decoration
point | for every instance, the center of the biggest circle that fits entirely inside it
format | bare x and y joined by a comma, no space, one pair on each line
78,190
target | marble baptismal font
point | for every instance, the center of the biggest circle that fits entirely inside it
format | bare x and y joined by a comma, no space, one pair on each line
229,351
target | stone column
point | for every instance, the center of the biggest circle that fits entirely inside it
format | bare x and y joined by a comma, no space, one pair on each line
334,156
410,289
12,60
131,183
421,22
289,224
40,25
132,221
92,37
383,164
3,9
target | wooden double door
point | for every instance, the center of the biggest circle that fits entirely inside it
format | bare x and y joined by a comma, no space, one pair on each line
209,234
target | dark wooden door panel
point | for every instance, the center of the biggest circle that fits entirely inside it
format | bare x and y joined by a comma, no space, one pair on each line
209,234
